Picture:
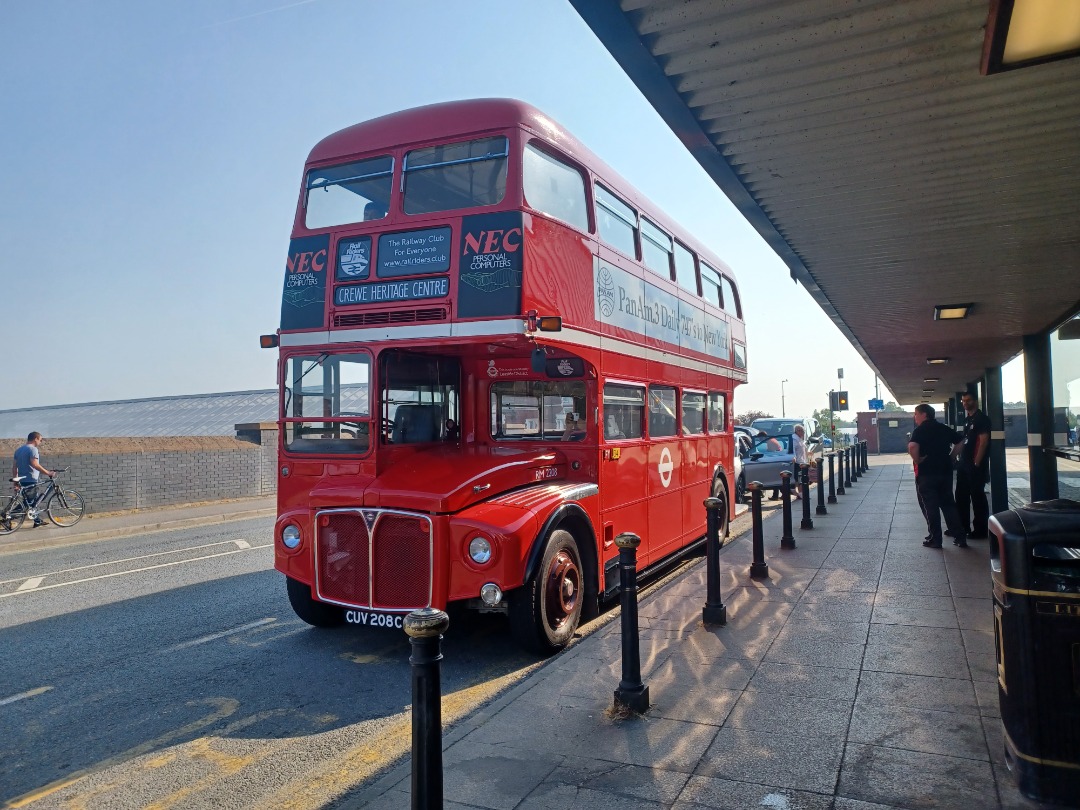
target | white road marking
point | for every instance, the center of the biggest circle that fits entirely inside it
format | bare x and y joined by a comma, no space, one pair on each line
216,636
132,571
30,584
237,542
24,695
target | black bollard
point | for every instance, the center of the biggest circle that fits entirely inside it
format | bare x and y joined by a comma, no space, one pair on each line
839,472
759,569
787,540
804,483
714,611
865,456
821,510
832,477
425,628
632,694
855,463
847,467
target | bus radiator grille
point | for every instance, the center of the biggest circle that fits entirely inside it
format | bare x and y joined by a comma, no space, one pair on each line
398,316
401,561
342,559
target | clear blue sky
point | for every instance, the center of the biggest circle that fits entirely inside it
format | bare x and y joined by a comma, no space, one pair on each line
152,156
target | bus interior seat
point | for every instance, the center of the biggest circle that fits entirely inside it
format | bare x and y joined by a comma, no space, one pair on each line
416,423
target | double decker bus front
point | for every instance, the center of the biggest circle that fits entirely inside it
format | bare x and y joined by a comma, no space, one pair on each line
423,443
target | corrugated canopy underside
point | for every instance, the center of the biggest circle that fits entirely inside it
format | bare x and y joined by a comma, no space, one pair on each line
861,140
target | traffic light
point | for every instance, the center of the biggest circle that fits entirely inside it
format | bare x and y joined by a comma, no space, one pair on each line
838,401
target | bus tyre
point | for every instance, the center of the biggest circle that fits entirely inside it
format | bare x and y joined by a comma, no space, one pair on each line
545,611
720,491
318,614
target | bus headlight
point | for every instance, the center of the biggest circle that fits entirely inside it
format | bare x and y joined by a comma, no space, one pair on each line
290,536
480,550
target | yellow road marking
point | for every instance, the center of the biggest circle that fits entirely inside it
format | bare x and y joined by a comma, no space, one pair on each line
362,761
225,707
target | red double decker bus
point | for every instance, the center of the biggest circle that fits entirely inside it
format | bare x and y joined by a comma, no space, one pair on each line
495,356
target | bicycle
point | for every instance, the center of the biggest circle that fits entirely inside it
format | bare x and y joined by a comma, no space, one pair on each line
64,507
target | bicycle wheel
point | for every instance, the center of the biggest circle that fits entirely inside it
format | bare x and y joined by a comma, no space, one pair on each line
66,507
12,514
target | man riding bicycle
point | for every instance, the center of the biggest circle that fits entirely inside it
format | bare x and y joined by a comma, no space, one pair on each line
27,468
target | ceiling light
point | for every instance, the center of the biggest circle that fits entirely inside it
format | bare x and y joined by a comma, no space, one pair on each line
951,312
1020,33
930,379
936,361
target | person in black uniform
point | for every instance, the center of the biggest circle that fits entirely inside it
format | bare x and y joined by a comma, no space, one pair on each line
974,470
932,447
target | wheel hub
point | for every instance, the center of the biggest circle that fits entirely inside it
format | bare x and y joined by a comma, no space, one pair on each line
563,586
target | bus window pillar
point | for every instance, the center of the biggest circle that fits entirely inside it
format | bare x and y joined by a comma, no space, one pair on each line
994,408
1040,417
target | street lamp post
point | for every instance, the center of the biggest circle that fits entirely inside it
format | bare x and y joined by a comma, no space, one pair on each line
783,413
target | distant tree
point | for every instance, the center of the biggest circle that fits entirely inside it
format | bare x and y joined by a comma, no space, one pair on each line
827,419
750,416
1015,405
892,407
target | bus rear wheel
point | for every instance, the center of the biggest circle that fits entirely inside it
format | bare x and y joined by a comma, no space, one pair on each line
546,611
317,614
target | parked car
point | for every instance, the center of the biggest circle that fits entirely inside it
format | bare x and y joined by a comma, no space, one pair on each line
767,458
783,426
744,444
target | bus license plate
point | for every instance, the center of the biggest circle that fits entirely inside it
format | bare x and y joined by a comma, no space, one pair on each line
372,618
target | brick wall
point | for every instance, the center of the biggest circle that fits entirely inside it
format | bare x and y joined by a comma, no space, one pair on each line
139,473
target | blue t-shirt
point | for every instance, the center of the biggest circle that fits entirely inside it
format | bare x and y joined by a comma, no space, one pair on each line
23,457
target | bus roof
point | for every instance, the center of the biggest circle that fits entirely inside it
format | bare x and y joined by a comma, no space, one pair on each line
452,118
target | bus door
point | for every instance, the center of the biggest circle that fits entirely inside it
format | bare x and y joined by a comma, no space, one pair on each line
665,472
623,468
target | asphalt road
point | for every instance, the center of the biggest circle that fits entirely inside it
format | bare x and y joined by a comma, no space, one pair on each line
168,670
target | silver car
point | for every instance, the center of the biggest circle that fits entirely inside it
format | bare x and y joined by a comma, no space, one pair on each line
768,457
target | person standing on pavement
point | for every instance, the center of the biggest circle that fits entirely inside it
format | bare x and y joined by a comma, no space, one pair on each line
974,470
798,449
932,447
27,468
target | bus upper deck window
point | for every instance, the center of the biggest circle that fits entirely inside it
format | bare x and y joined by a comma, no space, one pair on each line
731,299
655,249
710,286
456,175
552,187
685,272
348,192
616,222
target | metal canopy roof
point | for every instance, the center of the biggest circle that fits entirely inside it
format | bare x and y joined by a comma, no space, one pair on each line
861,141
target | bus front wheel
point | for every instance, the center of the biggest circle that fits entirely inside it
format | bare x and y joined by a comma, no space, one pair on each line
317,614
545,612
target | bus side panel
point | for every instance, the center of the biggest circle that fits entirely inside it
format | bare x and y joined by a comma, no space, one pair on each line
697,472
558,277
623,505
665,497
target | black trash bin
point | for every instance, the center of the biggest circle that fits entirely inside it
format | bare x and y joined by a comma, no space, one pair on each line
1035,563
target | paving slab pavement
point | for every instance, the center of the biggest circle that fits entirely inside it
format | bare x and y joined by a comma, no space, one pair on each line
859,676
